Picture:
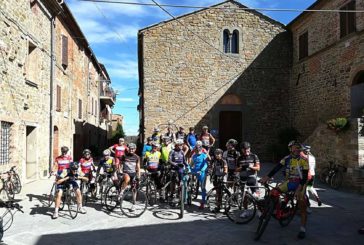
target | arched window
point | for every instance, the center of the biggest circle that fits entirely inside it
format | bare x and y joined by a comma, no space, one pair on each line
357,91
226,41
235,42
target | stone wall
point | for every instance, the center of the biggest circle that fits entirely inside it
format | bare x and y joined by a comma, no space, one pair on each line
184,77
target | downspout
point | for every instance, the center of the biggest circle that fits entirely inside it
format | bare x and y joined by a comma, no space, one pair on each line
51,95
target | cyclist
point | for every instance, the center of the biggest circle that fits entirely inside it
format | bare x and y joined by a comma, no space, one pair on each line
148,146
207,139
296,177
69,177
191,140
165,149
62,162
169,134
107,166
306,153
248,165
152,164
199,167
130,166
118,150
178,161
156,136
88,168
231,156
181,134
219,169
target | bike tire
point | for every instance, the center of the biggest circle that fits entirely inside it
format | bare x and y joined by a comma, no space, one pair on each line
4,196
17,183
72,203
51,196
133,208
10,189
84,192
182,199
336,180
150,191
290,210
264,220
324,173
235,207
111,198
6,217
195,189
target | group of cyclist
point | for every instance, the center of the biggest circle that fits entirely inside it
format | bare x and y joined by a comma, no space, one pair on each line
188,152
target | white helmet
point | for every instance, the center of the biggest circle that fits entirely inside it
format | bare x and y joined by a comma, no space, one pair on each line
106,152
179,142
199,143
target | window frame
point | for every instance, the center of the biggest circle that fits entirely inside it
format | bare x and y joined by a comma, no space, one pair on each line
347,21
5,152
58,98
303,45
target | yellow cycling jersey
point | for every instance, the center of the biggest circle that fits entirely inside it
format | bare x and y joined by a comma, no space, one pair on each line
294,166
152,159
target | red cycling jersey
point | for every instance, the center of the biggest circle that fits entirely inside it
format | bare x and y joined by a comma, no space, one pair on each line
86,165
119,150
63,162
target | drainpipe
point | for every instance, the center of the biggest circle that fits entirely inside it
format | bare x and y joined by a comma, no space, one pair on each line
51,94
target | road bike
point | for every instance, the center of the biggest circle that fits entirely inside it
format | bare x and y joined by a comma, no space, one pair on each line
333,175
217,197
7,216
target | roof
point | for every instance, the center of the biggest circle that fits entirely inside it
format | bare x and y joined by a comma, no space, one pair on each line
313,6
216,5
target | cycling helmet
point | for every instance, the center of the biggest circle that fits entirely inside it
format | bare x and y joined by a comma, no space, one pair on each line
155,144
74,165
293,142
205,127
245,145
218,152
86,151
156,130
179,142
199,143
149,139
64,149
232,142
132,146
306,147
106,152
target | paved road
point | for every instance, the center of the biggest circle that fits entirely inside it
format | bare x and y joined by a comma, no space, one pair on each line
335,222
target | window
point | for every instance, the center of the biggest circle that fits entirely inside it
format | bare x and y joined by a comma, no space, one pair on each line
31,63
5,142
231,41
79,109
92,106
347,20
303,45
58,98
64,51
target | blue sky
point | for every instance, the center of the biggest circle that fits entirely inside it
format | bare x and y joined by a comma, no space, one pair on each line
111,30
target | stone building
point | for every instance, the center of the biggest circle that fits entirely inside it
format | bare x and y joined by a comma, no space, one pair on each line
117,119
247,76
225,68
40,108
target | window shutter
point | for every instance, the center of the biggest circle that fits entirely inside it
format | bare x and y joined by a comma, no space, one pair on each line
303,45
80,109
92,106
351,18
95,107
58,99
64,51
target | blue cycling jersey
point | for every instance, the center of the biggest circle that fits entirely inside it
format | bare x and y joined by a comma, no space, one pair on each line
192,139
199,162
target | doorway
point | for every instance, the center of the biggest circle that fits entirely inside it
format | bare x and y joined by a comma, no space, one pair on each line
230,127
31,156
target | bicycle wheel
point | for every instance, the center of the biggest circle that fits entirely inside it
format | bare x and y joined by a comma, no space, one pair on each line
133,203
324,174
264,219
288,212
196,186
112,198
336,180
63,201
84,192
4,196
150,190
51,196
241,210
17,183
181,199
10,189
6,218
72,203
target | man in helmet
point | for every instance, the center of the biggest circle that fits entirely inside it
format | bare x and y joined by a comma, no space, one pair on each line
152,163
62,162
148,146
88,168
156,136
296,179
219,169
231,156
69,177
181,134
248,165
107,166
130,166
166,148
206,138
118,150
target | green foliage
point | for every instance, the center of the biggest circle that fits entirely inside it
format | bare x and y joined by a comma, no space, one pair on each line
338,124
279,150
119,133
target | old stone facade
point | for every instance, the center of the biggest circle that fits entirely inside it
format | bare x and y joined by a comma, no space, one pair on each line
32,131
188,77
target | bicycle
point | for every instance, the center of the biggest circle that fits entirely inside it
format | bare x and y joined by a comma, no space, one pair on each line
333,175
213,200
7,217
69,197
133,202
14,177
282,206
7,191
104,181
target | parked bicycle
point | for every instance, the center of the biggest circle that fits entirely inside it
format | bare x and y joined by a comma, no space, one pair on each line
333,175
15,179
7,191
216,201
282,206
6,215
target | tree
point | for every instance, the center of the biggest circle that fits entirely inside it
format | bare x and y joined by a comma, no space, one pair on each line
119,133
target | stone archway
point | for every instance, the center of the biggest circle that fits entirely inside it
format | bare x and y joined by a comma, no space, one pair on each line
356,95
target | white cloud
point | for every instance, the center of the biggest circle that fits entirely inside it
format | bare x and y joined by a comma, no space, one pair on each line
126,99
121,68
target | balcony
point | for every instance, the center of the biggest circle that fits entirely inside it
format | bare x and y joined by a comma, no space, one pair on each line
107,93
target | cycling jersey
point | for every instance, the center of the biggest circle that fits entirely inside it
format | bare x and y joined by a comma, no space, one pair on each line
72,178
119,150
165,150
146,148
152,159
294,167
191,139
130,162
218,167
63,162
199,162
177,157
86,165
108,165
246,161
231,157
180,135
205,139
